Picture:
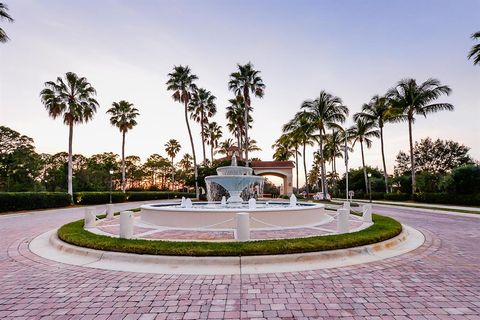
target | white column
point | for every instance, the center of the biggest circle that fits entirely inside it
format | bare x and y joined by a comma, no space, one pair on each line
346,205
243,226
126,224
367,213
90,218
342,221
109,211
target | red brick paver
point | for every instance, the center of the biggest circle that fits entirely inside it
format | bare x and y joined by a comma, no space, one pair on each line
439,280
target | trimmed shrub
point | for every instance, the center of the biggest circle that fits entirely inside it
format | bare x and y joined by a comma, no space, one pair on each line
152,195
15,201
397,196
98,197
445,198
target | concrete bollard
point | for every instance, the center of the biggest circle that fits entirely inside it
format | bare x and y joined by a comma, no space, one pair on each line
90,218
243,226
342,220
109,211
367,213
346,205
126,224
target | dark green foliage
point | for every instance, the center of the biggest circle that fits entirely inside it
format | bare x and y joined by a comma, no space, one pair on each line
98,197
445,198
383,228
15,201
149,195
403,183
397,196
462,180
356,180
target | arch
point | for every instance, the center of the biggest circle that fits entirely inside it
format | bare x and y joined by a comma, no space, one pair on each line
281,169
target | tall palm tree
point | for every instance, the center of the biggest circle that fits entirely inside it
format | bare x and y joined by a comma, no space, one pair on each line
72,99
186,162
236,121
304,131
325,112
123,116
244,82
380,110
225,145
412,99
213,133
333,147
202,106
252,145
172,148
283,148
362,131
4,16
181,82
475,51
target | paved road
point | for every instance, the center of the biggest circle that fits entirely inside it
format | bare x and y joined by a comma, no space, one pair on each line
439,280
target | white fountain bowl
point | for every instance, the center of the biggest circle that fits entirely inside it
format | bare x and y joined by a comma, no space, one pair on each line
204,215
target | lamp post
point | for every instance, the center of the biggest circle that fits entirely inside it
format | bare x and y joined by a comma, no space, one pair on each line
346,164
370,186
111,173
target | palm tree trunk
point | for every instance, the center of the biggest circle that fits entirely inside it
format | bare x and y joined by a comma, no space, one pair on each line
322,165
203,139
385,174
211,152
247,105
123,163
364,168
296,165
239,141
70,164
305,169
412,158
195,169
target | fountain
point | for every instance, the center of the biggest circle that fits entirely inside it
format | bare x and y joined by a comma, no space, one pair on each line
235,181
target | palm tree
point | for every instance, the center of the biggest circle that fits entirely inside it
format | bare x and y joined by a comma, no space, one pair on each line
172,148
362,131
283,148
244,82
71,98
123,116
186,162
202,106
412,99
325,112
213,133
181,82
236,121
225,145
4,16
252,145
302,129
475,51
333,146
379,109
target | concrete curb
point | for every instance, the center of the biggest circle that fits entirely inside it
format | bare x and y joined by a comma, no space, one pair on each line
49,246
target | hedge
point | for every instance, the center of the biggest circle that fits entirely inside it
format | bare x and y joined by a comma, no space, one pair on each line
445,198
397,196
104,197
15,201
153,195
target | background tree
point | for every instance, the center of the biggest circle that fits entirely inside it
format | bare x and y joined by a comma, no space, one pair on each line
213,134
244,82
202,106
236,120
475,51
123,116
325,112
181,82
155,166
283,149
412,100
71,98
172,147
4,16
362,131
225,145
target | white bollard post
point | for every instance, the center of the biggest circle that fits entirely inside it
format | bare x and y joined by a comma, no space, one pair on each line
346,205
109,211
367,213
90,218
243,226
126,224
342,221
252,203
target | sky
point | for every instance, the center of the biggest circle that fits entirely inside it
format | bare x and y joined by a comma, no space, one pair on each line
352,49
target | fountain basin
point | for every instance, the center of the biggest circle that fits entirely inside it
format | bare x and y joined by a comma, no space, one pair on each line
235,185
204,215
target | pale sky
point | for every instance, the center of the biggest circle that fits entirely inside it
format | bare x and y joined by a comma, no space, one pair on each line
352,49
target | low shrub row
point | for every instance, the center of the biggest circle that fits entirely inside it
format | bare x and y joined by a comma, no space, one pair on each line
16,201
104,197
397,196
446,198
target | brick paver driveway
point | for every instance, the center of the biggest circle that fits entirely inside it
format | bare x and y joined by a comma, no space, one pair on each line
439,280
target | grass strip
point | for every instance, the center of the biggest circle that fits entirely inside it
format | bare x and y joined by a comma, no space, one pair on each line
384,228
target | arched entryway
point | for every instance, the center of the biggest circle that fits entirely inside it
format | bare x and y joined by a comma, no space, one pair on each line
281,169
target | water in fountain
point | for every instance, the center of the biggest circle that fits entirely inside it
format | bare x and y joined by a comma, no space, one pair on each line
236,183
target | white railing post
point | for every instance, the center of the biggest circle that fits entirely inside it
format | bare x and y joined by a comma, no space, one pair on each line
126,224
242,226
342,221
109,211
367,213
90,218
